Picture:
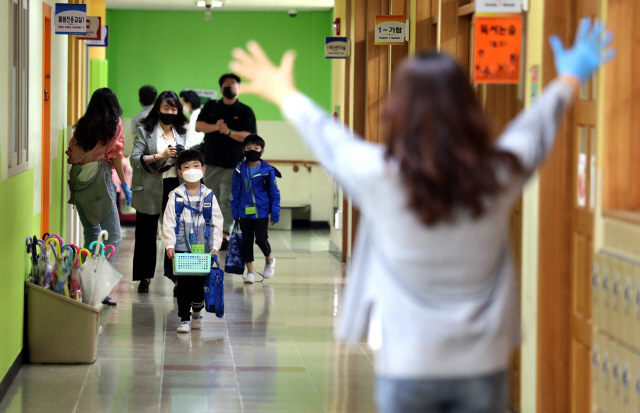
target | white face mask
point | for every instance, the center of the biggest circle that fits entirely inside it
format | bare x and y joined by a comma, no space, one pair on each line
192,175
185,110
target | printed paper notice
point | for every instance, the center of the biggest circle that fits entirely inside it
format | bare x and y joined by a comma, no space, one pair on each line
497,55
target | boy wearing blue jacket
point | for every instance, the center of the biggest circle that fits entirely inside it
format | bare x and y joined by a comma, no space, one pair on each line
255,198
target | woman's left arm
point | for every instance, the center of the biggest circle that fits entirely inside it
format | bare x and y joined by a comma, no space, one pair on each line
117,163
350,160
114,151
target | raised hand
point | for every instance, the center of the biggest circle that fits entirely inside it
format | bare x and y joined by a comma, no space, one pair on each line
267,80
589,51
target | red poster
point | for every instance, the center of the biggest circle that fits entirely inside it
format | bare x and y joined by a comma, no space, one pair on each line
497,51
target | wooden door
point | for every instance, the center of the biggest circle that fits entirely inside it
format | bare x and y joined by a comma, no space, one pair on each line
582,128
45,184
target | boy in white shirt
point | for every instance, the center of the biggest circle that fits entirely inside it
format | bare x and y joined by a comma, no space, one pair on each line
192,224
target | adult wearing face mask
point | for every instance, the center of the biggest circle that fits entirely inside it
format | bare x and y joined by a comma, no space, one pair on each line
226,123
155,149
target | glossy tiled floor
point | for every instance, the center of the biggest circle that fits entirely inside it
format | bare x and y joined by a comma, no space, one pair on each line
272,352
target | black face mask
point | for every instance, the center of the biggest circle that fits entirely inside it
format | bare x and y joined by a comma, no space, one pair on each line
228,92
168,118
252,156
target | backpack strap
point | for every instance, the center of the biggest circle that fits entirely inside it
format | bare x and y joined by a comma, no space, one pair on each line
207,212
179,209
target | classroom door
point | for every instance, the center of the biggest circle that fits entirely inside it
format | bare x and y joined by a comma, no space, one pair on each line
584,149
45,184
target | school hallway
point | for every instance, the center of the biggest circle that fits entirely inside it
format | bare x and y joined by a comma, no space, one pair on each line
272,352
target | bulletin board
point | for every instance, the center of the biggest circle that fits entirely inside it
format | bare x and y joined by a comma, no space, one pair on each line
497,49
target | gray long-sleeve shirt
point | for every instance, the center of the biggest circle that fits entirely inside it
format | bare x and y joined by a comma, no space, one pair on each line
446,294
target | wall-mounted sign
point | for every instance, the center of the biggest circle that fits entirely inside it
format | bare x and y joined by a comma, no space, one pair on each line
498,6
94,28
497,51
71,18
390,30
336,47
104,38
207,94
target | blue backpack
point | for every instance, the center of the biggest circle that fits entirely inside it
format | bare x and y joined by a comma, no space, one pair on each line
214,290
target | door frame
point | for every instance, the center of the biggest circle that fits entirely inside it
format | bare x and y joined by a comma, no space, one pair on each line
45,185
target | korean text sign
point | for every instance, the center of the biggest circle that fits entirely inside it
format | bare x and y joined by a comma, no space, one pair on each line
94,28
497,51
336,47
390,30
71,18
104,38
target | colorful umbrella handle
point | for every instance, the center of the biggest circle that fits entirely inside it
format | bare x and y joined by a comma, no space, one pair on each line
112,248
56,251
85,252
99,250
76,249
67,264
105,234
32,243
60,240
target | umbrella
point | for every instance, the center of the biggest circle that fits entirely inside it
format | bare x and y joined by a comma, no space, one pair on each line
75,285
98,275
61,286
34,273
52,269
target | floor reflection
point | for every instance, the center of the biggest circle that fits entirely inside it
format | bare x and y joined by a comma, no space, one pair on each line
272,352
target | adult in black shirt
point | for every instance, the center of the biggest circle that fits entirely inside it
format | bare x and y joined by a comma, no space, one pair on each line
225,122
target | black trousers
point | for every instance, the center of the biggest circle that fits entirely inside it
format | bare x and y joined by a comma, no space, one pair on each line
190,295
255,229
146,247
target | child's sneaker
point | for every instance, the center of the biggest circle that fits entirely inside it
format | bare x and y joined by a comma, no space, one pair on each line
250,278
269,269
196,320
185,327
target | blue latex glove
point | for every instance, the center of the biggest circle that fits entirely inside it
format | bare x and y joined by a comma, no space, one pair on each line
127,193
588,53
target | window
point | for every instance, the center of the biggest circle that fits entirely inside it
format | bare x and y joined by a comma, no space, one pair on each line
19,104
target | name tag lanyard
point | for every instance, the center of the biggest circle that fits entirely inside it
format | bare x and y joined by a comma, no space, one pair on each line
195,218
253,209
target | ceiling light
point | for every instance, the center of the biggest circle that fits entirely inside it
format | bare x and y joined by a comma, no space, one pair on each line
217,4
201,3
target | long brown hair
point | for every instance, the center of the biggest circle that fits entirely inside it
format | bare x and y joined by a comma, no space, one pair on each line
100,122
437,132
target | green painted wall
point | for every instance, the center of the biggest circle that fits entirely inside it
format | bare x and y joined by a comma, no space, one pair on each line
99,70
16,223
180,50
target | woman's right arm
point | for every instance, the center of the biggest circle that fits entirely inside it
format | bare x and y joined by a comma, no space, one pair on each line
139,149
139,152
532,134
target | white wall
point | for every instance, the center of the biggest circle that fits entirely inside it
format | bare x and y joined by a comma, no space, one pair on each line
314,188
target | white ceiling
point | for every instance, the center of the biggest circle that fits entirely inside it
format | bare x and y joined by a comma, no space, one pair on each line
229,5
